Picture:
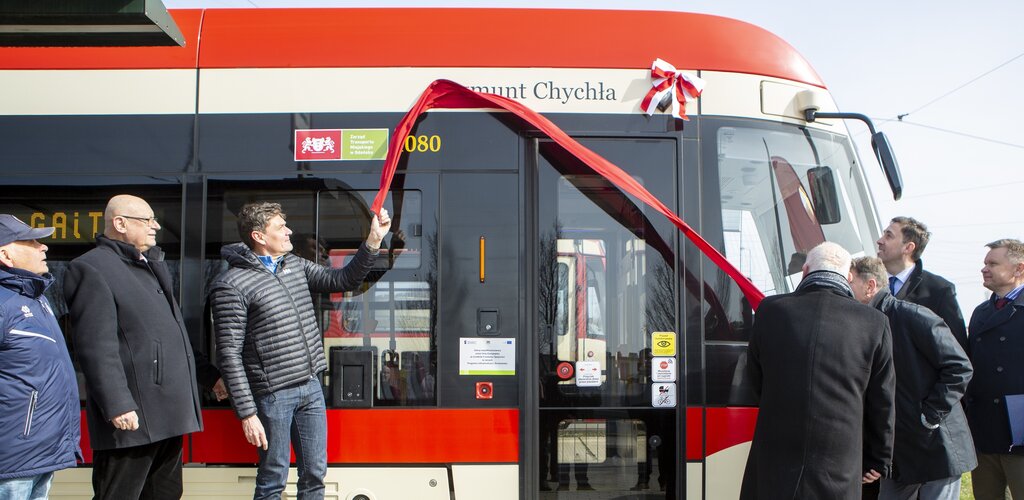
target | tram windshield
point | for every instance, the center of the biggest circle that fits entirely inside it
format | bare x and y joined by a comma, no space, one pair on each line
775,206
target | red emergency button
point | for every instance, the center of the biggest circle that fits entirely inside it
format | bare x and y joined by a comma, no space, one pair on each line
484,390
565,370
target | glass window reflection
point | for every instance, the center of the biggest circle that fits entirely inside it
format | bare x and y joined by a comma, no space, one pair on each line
606,279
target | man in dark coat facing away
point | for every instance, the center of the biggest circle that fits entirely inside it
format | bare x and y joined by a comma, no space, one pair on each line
821,364
933,446
140,374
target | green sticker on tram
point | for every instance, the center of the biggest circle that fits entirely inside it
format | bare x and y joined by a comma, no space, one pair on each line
364,144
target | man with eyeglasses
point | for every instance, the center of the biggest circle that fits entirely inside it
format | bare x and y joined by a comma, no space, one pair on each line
140,375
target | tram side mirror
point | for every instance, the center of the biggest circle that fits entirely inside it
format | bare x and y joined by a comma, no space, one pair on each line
883,151
824,196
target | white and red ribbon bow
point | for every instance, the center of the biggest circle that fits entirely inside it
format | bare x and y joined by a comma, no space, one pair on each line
668,82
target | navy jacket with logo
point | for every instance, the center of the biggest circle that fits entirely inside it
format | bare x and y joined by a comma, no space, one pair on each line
39,407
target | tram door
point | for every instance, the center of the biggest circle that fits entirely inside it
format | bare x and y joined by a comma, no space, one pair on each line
605,283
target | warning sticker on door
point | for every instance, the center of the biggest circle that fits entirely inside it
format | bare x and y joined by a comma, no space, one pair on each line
663,343
663,370
588,374
663,395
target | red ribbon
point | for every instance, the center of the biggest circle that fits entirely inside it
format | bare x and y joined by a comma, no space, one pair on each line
445,94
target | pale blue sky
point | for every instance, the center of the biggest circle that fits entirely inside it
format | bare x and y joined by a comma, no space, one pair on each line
885,58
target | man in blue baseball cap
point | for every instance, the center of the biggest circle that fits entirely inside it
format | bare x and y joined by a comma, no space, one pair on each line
13,229
39,420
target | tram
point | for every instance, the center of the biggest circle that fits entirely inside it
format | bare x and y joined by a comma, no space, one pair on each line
530,330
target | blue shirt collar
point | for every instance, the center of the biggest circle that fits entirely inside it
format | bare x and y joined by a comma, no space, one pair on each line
270,262
1012,296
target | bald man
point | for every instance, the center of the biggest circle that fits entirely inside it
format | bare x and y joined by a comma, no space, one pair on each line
140,375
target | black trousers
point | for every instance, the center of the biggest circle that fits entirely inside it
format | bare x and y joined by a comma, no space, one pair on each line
150,472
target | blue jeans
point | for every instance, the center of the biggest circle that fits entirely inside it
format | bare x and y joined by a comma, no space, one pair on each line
297,415
26,488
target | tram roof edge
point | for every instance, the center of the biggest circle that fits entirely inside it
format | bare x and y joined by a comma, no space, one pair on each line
443,37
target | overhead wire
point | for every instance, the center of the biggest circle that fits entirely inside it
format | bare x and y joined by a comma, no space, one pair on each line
900,118
933,101
964,134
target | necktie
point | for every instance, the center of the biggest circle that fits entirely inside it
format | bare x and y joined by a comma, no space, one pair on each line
892,284
1001,303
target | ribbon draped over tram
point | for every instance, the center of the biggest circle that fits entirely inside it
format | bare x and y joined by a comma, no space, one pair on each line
445,94
669,83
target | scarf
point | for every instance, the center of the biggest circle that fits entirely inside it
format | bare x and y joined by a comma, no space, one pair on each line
826,279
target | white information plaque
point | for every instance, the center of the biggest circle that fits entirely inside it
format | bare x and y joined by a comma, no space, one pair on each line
493,356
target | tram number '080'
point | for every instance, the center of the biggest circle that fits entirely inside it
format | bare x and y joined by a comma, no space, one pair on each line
423,144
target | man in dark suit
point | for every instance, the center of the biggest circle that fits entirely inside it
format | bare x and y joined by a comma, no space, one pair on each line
933,445
997,350
821,364
900,248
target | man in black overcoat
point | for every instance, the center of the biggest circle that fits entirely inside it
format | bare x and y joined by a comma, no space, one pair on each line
933,445
821,364
900,248
140,375
997,352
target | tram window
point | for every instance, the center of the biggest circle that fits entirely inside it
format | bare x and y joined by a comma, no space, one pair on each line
769,223
744,243
344,221
393,314
74,206
581,305
582,447
612,256
407,303
768,219
766,177
226,197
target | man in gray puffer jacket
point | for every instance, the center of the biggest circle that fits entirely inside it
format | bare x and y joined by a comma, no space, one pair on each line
269,347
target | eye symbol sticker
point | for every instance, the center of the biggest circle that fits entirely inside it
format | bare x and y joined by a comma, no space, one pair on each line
664,343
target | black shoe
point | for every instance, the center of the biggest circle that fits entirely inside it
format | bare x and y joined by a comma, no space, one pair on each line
584,487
